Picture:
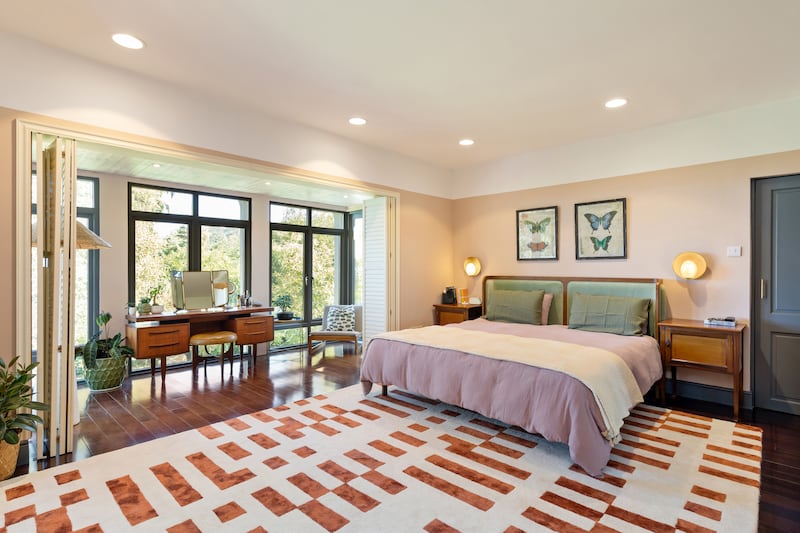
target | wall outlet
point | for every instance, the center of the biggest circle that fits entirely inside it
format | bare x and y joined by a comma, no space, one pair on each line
734,251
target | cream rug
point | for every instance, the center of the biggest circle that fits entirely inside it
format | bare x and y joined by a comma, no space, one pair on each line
341,462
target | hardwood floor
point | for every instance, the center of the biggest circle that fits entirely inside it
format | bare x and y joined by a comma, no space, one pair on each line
143,410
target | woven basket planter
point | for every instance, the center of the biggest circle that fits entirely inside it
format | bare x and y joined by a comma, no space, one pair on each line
107,375
8,459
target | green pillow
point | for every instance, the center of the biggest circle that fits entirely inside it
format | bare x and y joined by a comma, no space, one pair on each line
609,314
524,307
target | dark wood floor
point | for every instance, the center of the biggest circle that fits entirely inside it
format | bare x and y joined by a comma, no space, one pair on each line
143,410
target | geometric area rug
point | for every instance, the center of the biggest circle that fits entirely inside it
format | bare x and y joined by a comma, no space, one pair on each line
344,462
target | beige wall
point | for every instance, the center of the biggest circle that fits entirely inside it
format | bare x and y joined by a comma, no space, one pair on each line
703,208
426,255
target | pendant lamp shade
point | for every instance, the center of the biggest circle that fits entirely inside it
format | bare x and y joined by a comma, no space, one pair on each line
85,239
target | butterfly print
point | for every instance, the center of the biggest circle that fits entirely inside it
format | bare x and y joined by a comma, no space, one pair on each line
598,243
604,221
537,246
538,227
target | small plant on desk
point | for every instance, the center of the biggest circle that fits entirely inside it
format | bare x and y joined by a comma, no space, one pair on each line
154,293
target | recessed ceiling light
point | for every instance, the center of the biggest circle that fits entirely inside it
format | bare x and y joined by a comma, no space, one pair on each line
127,41
267,183
156,165
357,121
616,102
466,142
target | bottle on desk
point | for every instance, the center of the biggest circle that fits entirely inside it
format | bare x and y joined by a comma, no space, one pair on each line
244,299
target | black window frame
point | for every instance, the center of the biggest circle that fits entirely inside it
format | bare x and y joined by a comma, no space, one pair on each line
194,224
308,229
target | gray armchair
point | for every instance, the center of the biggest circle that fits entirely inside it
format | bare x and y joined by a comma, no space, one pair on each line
327,334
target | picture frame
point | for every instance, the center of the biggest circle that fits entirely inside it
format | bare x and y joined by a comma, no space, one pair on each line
537,234
601,230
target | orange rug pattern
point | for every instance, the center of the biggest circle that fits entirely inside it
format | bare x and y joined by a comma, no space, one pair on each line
342,462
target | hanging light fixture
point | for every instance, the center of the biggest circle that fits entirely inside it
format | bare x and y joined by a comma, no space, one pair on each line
85,239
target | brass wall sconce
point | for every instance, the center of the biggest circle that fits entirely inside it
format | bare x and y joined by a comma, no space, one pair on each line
689,265
472,266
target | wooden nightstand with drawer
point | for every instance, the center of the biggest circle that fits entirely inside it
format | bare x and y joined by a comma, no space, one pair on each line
455,313
692,344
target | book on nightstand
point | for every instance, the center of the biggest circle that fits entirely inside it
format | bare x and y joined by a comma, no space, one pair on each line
727,321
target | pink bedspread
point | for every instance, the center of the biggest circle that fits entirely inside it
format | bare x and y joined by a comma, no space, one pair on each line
552,404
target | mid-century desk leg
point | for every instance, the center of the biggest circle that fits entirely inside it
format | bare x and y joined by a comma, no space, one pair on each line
163,367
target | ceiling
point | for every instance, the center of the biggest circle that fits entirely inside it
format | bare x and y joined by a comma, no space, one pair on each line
96,157
516,76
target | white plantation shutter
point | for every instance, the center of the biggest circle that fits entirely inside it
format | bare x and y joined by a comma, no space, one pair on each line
55,340
380,264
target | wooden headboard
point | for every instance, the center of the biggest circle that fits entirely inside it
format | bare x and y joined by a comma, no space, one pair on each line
563,289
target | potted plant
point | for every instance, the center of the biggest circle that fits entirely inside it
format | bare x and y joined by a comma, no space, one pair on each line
105,360
16,395
144,306
284,302
154,293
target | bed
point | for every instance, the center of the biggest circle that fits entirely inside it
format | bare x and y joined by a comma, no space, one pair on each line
530,370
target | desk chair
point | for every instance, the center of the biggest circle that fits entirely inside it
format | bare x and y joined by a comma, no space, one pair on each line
336,326
211,338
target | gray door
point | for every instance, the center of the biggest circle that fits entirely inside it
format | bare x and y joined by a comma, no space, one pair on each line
776,293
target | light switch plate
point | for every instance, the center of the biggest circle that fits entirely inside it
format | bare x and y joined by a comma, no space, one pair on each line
734,251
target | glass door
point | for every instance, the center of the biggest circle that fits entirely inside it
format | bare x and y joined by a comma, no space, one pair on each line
309,266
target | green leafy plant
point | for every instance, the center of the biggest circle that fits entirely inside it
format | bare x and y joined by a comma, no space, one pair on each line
155,292
16,394
284,301
101,348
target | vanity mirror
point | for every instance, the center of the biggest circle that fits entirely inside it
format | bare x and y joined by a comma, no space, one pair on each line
193,289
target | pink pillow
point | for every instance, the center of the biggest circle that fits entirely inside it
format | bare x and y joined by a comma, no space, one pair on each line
546,301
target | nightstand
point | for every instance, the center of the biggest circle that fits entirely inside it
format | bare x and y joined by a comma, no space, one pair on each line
692,344
455,313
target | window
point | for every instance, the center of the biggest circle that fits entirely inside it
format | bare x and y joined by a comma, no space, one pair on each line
171,229
311,251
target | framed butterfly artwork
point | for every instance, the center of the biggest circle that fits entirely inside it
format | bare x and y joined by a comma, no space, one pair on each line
601,230
537,233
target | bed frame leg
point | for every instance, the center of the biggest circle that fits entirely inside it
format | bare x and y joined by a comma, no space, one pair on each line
384,390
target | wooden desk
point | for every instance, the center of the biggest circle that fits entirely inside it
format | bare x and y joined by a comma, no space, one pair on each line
160,335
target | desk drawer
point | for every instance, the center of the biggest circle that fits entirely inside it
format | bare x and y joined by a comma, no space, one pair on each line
155,341
252,329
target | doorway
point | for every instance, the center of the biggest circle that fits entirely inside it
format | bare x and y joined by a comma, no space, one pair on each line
776,293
